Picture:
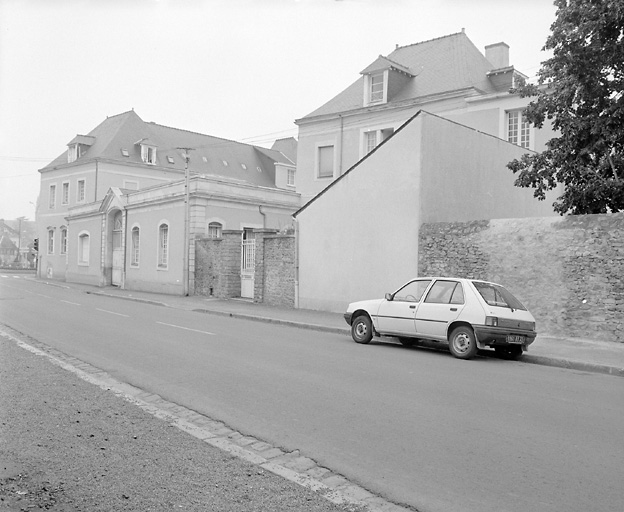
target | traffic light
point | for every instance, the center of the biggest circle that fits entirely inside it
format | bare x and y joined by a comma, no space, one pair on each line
36,245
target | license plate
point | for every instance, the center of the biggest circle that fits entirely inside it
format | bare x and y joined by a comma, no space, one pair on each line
515,338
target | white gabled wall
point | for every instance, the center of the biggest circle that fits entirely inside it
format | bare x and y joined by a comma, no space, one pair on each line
359,239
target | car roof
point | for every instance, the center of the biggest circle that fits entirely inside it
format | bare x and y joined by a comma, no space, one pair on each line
461,279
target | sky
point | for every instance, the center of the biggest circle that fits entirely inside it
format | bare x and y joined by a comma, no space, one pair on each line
239,69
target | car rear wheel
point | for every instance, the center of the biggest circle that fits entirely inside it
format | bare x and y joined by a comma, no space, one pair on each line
462,342
362,329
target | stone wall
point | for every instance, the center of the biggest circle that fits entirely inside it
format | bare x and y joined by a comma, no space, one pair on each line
568,271
217,265
218,262
279,271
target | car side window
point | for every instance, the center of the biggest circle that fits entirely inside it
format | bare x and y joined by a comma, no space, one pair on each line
446,292
412,292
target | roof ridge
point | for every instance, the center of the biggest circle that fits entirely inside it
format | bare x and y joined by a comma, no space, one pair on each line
429,40
202,134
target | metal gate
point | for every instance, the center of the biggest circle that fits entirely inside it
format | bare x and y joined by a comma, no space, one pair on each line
248,264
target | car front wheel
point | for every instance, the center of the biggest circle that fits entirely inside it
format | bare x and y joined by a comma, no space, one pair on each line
463,343
362,329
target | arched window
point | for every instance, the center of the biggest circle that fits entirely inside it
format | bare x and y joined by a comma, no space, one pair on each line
214,230
163,245
134,256
83,248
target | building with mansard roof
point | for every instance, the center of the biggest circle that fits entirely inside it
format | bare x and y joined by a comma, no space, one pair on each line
124,203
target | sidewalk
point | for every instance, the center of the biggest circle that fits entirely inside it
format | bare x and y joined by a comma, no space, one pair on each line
572,353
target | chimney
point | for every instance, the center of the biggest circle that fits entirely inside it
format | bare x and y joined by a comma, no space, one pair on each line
498,54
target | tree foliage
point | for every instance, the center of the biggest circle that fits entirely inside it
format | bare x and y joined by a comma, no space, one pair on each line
580,91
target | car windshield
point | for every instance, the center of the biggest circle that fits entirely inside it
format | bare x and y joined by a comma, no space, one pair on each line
496,295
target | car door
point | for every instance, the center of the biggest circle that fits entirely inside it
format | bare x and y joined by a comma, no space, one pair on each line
397,313
442,304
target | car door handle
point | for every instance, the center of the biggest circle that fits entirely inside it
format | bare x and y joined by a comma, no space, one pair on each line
413,307
453,309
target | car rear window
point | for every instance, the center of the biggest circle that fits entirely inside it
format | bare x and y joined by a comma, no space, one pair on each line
496,295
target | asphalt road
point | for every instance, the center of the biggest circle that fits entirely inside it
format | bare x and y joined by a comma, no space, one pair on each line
416,426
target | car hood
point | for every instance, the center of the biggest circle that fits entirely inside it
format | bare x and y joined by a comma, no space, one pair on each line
368,305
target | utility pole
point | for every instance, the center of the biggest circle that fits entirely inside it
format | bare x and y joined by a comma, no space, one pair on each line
187,234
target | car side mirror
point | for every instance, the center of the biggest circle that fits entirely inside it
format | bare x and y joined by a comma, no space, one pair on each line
389,296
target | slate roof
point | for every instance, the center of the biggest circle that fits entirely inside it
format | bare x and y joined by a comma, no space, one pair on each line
288,147
127,131
442,65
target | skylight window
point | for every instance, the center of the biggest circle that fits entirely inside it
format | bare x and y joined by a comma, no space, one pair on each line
170,159
125,152
204,159
244,166
225,163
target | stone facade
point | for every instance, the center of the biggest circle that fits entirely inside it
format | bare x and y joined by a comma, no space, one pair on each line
569,271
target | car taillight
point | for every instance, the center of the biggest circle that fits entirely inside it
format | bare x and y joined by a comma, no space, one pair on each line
492,321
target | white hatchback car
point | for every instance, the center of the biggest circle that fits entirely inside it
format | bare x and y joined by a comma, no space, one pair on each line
467,313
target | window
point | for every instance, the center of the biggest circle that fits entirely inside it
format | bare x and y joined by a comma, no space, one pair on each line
518,129
65,194
290,178
372,138
214,230
376,87
50,241
163,245
63,240
170,159
412,292
325,161
80,194
52,203
73,153
148,154
134,255
370,141
446,292
83,249
496,295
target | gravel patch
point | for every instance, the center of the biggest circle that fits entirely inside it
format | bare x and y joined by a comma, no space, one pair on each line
68,446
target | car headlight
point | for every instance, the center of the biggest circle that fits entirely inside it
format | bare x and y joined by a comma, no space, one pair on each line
492,321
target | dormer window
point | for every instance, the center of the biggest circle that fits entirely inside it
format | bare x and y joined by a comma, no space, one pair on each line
376,87
383,79
73,153
78,147
148,154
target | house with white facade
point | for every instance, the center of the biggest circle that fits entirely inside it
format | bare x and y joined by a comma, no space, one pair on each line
424,135
447,76
125,203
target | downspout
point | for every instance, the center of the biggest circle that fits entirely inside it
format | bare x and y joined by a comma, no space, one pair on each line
263,216
296,262
125,242
341,136
96,179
